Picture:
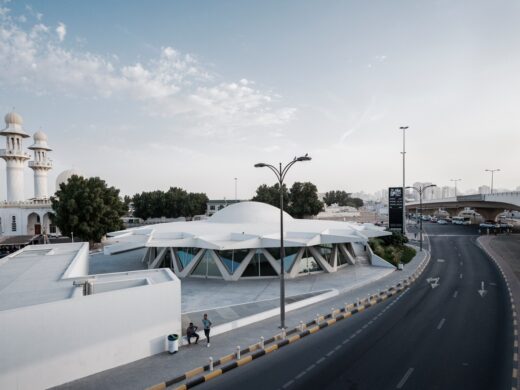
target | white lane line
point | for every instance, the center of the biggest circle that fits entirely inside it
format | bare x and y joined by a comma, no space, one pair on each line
455,294
330,353
288,384
320,360
405,378
461,263
337,347
441,323
310,367
345,341
300,375
460,276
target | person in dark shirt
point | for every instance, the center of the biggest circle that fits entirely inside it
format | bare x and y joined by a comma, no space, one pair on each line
192,332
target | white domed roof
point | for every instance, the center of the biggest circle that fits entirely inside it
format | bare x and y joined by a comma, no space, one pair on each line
254,212
39,136
65,176
12,118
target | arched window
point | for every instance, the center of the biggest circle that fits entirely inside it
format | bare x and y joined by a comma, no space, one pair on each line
13,224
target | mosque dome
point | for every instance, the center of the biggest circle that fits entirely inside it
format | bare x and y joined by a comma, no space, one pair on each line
39,136
12,118
65,176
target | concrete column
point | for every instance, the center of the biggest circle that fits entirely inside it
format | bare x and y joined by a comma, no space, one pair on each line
14,175
40,183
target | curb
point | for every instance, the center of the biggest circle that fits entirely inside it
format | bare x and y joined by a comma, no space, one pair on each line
514,374
230,361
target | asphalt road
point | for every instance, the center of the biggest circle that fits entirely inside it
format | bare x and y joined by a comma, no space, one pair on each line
448,337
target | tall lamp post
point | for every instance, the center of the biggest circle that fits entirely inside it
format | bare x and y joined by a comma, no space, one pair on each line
492,174
280,173
404,183
236,189
420,190
455,182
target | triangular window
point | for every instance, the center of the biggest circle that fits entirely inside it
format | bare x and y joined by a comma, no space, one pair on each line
259,266
207,266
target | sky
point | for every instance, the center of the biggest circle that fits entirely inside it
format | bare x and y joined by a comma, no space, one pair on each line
149,95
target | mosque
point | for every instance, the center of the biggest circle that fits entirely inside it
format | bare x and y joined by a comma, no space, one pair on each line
20,216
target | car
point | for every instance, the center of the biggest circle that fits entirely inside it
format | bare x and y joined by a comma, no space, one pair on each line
442,222
488,224
434,219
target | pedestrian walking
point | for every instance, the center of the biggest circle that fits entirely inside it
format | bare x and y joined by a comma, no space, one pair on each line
207,327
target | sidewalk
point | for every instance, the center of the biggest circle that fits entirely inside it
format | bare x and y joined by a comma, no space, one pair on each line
159,368
505,250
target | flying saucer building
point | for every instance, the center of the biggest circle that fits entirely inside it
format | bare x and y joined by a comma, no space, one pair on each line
243,240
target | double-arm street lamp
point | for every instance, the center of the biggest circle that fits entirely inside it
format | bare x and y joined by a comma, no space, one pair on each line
280,173
404,177
492,174
420,190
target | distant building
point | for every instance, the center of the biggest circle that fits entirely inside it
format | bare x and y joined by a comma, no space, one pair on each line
484,190
215,205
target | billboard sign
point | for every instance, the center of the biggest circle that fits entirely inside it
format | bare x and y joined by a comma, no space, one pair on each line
395,208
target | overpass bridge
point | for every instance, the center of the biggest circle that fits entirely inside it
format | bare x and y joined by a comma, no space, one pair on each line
487,205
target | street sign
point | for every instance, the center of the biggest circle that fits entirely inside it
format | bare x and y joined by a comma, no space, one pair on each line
395,208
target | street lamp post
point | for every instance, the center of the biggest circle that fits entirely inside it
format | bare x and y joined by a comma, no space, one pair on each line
404,182
492,174
420,190
455,181
280,173
236,189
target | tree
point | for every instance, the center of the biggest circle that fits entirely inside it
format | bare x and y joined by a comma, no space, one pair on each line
271,195
88,208
174,203
304,200
342,198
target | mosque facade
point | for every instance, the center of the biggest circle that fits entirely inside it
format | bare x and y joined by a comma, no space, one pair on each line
18,215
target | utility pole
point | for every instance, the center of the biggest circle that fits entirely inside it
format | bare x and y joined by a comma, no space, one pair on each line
492,174
455,181
404,177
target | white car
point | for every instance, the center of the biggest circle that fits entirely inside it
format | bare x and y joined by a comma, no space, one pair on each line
442,222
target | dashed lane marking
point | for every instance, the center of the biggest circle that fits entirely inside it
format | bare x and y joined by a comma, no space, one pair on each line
300,375
288,384
320,360
310,367
441,323
455,294
405,378
460,276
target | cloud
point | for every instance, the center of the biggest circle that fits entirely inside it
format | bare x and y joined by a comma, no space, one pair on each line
61,30
172,84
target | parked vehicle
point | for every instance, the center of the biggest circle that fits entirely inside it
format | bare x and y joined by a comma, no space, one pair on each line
442,222
434,219
489,224
461,221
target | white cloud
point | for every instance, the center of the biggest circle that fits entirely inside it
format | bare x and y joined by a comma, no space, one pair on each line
61,30
170,85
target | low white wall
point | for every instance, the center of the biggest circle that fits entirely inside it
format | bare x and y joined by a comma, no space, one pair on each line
50,344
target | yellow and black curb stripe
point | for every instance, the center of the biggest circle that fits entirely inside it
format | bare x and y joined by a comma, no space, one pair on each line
227,363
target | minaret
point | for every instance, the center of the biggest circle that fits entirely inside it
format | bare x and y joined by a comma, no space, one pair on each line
41,164
14,156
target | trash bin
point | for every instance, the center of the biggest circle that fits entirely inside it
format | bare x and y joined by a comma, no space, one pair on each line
400,266
173,343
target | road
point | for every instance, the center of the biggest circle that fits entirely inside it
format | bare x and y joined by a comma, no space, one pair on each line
448,337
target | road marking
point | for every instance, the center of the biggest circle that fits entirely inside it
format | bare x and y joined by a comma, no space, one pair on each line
455,294
288,384
300,375
320,360
310,367
461,263
330,353
441,323
405,378
460,276
337,347
441,260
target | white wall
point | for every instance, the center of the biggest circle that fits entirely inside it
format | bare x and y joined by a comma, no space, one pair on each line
50,344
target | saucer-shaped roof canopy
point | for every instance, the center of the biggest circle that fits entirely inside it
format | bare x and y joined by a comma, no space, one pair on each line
244,225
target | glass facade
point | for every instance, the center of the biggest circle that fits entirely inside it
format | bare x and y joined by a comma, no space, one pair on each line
308,263
327,251
259,266
342,259
232,258
186,255
207,266
290,256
